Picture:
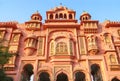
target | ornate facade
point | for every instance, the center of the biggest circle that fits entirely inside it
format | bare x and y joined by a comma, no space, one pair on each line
61,48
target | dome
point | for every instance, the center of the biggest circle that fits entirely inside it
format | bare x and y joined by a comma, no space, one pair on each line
85,16
85,13
36,16
60,8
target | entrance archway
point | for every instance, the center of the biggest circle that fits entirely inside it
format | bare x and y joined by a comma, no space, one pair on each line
62,77
115,79
96,73
79,76
27,72
44,76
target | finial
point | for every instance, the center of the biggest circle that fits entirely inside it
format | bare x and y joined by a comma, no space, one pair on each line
84,11
37,11
61,4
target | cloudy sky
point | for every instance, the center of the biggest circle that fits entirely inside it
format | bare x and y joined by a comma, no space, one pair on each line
21,10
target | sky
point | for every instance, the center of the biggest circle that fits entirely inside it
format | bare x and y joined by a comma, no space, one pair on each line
21,10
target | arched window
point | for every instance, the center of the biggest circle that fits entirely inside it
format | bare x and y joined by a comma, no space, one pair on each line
61,48
83,18
113,59
44,76
56,16
86,18
61,16
27,72
79,76
62,77
65,16
70,16
35,18
96,73
51,16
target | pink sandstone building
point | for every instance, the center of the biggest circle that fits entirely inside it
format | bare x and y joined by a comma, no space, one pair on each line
61,48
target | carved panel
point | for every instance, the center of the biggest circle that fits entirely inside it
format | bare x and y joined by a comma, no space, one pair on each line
82,45
63,68
52,48
40,46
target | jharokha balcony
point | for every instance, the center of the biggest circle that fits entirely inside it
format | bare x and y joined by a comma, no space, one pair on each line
92,49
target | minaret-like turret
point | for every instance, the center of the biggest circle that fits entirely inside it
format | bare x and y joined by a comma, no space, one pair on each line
85,16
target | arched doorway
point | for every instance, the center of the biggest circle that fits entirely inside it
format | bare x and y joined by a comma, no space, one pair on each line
96,73
115,79
79,76
62,77
44,76
27,72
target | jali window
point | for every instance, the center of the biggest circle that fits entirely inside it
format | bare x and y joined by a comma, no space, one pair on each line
61,48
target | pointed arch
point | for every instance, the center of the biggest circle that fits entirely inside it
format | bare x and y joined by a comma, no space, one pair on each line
60,15
51,16
70,16
115,79
44,76
96,72
27,72
79,76
56,16
65,16
62,77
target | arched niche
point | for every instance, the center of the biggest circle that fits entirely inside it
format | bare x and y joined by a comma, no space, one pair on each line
27,72
65,16
79,76
51,16
44,76
61,16
115,79
96,73
62,77
70,16
56,16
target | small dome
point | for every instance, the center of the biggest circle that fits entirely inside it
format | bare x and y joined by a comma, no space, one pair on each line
60,8
36,16
85,13
85,16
